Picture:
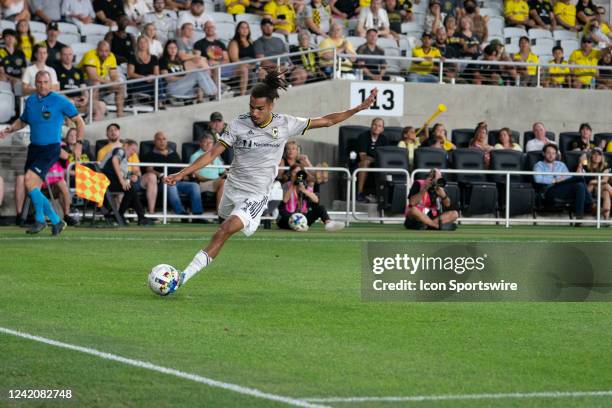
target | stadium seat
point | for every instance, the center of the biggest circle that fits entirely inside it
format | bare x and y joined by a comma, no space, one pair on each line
411,27
38,36
292,39
608,156
536,33
384,42
468,159
502,159
222,17
393,134
566,139
496,27
572,159
429,158
226,30
514,32
198,130
491,12
68,28
569,46
528,135
100,143
598,137
252,19
347,143
94,38
255,31
356,42
38,27
4,24
7,102
187,149
80,49
560,35
146,147
395,66
133,30
545,45
419,18
522,194
396,158
461,137
494,134
69,38
478,195
531,158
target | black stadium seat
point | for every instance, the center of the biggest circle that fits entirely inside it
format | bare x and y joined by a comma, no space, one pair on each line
187,149
429,158
528,135
506,160
387,191
566,139
571,160
146,147
198,130
469,159
479,195
461,137
598,137
100,143
531,158
608,156
494,134
522,195
393,134
347,142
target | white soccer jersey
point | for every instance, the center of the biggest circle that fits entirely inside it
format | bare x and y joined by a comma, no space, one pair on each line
258,150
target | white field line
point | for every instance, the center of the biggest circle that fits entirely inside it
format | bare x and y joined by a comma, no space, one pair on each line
170,371
417,398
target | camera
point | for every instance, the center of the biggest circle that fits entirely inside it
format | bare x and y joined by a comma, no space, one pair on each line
301,178
436,182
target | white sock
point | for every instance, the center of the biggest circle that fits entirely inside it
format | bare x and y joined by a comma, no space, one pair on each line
200,261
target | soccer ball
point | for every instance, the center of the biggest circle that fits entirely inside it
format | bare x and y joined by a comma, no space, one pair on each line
163,279
298,222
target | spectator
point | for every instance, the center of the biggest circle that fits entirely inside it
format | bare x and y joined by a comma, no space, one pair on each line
135,10
236,6
155,47
299,197
542,15
100,67
12,61
345,9
213,49
78,12
516,13
599,32
605,75
374,17
398,13
509,72
586,11
291,157
318,17
241,48
25,39
488,74
142,65
217,128
438,135
565,14
452,8
470,44
410,142
422,211
373,69
54,47
210,179
481,141
15,10
108,12
282,14
540,140
527,74
71,79
268,45
557,77
597,164
256,7
583,144
163,20
191,57
479,23
559,186
453,41
368,142
433,18
306,65
74,148
585,55
178,5
504,141
116,169
422,71
195,15
46,10
342,46
447,50
198,84
29,75
121,42
163,154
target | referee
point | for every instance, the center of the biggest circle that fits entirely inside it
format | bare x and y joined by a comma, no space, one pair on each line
44,112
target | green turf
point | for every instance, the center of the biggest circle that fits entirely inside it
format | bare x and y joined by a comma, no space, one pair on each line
281,312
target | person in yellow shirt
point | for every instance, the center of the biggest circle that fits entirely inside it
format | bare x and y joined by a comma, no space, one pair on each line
526,74
558,77
100,67
566,14
236,6
282,14
410,142
585,55
599,31
25,40
516,13
342,45
421,71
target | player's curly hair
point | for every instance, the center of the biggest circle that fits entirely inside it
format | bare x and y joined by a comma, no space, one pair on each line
268,89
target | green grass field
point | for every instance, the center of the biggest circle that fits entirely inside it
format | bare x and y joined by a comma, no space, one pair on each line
282,313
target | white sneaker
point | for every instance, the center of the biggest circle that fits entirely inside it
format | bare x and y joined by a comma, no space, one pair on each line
333,226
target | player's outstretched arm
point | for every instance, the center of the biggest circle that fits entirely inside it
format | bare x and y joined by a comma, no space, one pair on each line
337,117
17,125
202,161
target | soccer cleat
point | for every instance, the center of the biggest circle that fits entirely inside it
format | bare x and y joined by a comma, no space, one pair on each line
333,226
70,220
36,228
57,229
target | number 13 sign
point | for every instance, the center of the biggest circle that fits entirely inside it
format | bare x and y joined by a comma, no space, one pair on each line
389,102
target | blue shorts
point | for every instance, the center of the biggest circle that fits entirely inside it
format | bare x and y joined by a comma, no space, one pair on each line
41,158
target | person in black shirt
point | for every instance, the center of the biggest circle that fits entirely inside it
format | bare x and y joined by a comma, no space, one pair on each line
163,154
108,11
586,11
488,74
541,12
121,42
373,69
12,60
54,47
368,142
212,48
345,9
142,65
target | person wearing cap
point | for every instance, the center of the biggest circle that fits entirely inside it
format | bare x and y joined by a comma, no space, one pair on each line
422,71
46,11
373,69
39,59
565,13
78,12
282,14
54,47
584,144
12,60
195,15
164,20
542,14
268,45
375,17
217,127
585,55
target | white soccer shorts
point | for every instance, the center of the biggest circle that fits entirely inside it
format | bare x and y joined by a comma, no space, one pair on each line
245,205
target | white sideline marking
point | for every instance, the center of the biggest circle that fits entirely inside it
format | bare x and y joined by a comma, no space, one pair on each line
416,398
170,371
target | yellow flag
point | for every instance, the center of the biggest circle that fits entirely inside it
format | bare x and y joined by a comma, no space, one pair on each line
91,185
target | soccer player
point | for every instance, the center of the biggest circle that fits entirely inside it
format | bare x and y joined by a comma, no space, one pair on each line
44,111
258,139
